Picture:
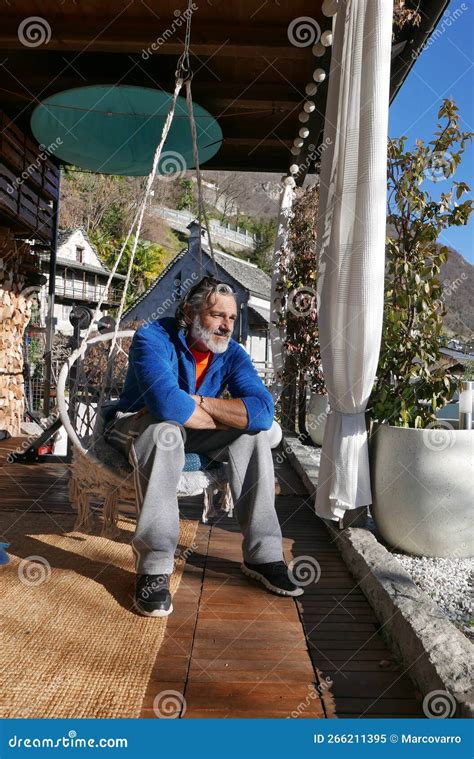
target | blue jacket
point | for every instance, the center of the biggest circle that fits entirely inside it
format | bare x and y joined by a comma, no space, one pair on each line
162,374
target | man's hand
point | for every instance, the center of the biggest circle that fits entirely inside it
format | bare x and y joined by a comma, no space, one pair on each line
202,420
231,412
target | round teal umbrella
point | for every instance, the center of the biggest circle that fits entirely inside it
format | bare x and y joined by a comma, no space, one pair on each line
115,130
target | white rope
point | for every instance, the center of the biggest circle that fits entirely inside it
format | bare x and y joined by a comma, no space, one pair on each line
138,218
182,71
109,281
151,177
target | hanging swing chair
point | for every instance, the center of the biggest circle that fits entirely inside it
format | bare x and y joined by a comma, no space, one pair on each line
101,479
91,381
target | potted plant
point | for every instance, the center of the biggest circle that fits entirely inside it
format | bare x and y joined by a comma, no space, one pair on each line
298,276
421,467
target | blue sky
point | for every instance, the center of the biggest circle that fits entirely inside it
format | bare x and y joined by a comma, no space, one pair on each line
444,69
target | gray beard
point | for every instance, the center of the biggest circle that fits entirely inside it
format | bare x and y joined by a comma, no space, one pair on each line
198,332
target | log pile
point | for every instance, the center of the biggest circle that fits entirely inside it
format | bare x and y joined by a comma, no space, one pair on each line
15,312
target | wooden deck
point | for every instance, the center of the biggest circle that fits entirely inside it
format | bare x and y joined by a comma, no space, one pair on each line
234,650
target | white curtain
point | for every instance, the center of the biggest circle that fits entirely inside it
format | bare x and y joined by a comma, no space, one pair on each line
351,245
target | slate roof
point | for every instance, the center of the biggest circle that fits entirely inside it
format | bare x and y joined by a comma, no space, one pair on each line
163,274
65,234
248,275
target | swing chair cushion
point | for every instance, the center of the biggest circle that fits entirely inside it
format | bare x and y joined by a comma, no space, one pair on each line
105,473
111,458
107,454
104,478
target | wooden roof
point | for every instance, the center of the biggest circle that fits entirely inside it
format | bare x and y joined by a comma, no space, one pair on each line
247,73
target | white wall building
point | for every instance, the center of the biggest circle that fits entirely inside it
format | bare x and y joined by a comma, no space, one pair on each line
81,278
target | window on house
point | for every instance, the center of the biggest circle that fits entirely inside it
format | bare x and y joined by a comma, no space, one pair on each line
79,254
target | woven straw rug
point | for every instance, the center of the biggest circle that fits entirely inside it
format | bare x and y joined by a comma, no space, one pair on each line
70,643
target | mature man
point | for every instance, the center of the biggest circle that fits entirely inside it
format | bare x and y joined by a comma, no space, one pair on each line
178,368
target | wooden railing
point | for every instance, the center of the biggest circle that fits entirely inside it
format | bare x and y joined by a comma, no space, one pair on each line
87,292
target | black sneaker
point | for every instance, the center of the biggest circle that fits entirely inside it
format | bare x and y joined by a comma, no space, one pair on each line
152,595
274,575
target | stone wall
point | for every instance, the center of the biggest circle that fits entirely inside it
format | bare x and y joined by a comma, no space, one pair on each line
15,311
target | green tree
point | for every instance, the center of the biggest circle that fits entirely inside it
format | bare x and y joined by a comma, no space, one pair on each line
186,196
297,290
409,370
265,231
149,261
99,201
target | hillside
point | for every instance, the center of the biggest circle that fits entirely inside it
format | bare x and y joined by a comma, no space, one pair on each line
255,193
457,276
258,195
104,205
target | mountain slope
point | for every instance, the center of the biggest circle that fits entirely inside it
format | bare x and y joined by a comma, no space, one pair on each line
457,277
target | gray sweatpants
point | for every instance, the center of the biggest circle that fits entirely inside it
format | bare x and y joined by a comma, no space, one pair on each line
156,452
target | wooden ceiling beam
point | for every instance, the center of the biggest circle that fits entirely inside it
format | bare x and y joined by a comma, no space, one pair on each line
49,72
152,37
231,105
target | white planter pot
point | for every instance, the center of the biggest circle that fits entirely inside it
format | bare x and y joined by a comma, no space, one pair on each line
422,489
316,417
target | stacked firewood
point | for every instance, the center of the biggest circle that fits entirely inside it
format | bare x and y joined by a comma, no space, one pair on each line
15,311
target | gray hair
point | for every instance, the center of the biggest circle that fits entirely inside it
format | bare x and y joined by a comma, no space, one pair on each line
200,295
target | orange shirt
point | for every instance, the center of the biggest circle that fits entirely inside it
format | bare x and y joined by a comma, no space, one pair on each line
202,364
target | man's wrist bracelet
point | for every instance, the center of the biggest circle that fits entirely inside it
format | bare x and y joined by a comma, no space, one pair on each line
201,400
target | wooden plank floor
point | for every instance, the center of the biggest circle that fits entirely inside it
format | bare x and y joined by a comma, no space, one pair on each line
234,650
